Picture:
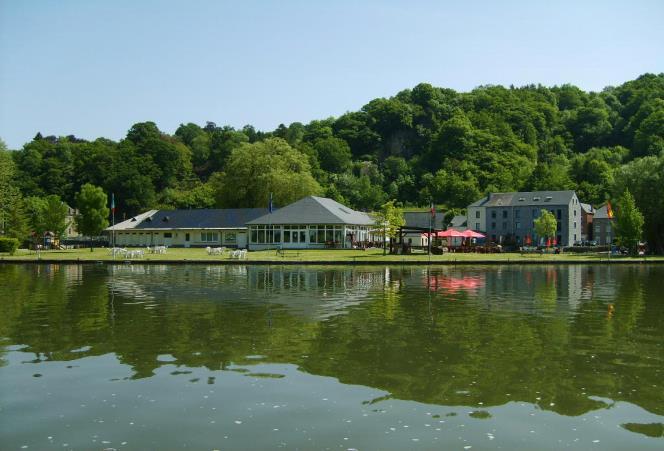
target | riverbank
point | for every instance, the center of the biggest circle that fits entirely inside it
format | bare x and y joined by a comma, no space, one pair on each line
341,257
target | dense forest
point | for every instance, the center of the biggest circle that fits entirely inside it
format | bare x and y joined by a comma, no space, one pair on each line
424,144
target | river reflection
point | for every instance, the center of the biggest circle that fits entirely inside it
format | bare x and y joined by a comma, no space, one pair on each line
567,340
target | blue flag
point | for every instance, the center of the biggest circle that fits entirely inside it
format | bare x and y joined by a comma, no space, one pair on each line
113,202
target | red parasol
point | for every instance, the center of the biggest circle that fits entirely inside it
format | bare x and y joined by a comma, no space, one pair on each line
472,234
450,233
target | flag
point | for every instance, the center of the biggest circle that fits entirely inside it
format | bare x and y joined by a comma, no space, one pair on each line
270,207
112,202
609,210
433,210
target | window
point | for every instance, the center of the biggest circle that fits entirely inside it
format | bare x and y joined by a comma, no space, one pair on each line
504,214
323,234
535,213
574,212
230,237
493,215
261,234
493,225
558,227
477,214
560,213
166,235
575,224
517,214
504,225
608,228
517,225
209,237
477,226
597,229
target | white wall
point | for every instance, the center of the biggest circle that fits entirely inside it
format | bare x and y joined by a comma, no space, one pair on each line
136,238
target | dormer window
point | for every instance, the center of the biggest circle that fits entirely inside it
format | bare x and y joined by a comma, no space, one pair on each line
548,198
537,198
522,199
165,219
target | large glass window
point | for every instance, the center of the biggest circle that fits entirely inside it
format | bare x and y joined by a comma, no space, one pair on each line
207,237
261,234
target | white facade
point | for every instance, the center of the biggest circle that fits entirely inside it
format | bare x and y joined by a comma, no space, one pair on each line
181,237
308,236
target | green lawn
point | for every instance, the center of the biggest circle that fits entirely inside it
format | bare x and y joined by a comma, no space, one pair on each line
372,255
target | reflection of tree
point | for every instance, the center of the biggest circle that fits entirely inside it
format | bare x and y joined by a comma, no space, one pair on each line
377,327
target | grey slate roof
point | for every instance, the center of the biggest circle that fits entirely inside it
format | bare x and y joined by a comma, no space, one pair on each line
458,222
602,212
420,219
530,198
587,208
209,218
132,222
314,210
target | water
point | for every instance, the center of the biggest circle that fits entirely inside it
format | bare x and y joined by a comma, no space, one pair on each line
242,357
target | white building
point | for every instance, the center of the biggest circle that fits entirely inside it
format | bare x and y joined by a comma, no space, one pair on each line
311,223
185,228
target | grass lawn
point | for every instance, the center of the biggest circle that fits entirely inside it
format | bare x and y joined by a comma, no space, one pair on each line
351,256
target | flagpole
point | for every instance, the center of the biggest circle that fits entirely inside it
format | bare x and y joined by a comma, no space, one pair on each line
269,220
113,229
431,219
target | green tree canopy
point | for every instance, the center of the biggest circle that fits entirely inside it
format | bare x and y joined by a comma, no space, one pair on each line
255,170
546,224
388,219
628,223
93,212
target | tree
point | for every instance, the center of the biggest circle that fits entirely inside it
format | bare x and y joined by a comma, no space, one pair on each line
54,215
12,218
93,212
546,225
628,223
334,154
253,171
389,219
644,178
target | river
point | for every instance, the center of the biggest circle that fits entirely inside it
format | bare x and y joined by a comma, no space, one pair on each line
343,357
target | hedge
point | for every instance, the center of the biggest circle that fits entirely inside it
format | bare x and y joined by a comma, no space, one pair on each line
8,245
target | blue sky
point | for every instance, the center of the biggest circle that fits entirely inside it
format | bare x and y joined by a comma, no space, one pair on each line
93,68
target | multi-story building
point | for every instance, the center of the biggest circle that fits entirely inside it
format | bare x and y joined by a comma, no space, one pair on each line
603,225
510,217
587,215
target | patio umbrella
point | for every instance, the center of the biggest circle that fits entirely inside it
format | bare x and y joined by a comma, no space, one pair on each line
449,233
472,234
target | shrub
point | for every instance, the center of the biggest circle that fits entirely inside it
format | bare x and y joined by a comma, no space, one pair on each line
8,245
